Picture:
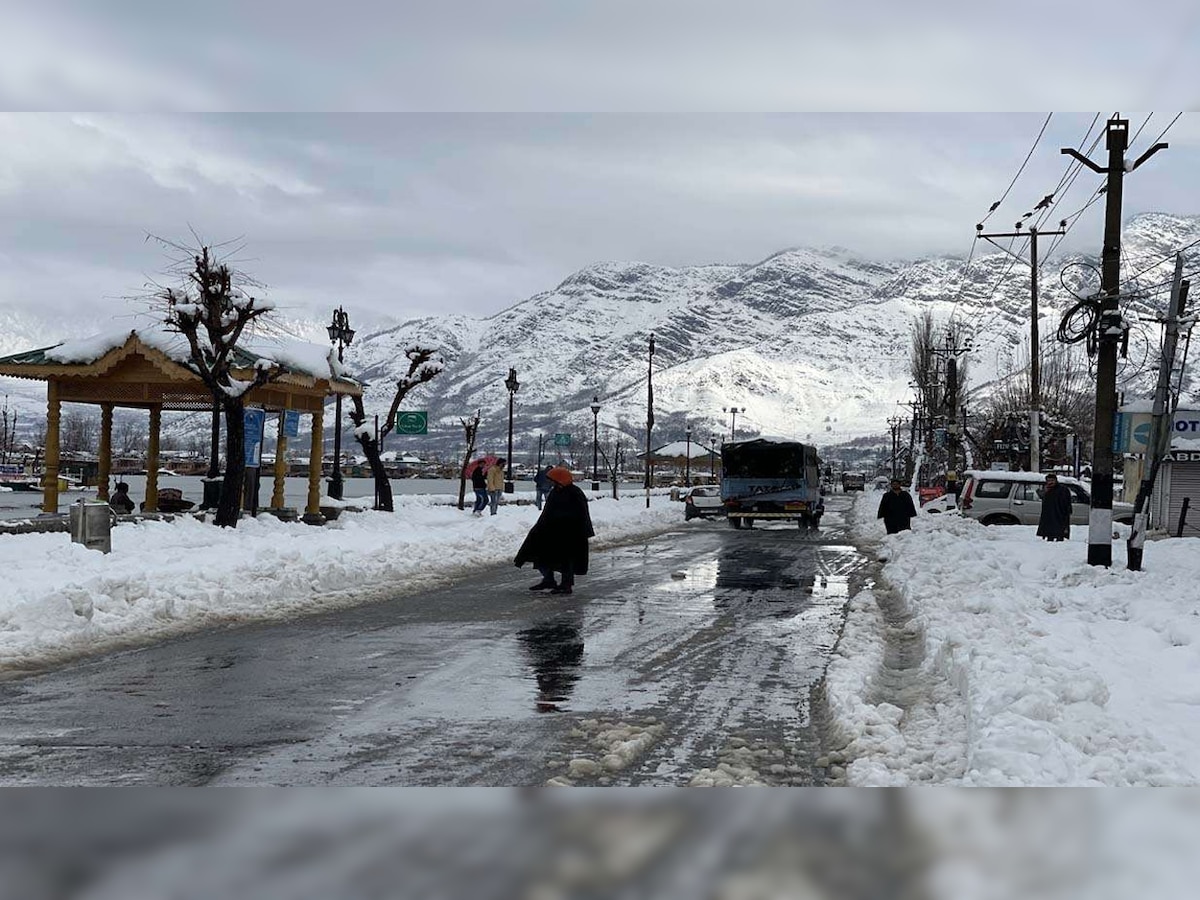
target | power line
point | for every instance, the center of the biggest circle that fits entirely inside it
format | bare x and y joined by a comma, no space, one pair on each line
1004,196
1163,133
1159,261
1145,122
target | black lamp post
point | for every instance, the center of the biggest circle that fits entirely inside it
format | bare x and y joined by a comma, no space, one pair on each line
342,334
733,425
687,463
712,457
595,442
512,384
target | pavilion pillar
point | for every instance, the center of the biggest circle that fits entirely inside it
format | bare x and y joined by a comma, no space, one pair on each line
312,512
152,460
50,470
280,464
106,420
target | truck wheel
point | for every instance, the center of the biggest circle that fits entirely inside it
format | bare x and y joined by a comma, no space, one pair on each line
735,521
749,523
805,522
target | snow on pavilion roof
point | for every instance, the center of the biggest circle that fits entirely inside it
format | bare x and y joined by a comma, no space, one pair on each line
294,357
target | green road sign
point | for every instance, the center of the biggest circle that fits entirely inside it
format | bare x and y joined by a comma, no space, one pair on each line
412,422
562,440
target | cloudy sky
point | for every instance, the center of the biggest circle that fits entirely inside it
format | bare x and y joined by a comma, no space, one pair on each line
406,161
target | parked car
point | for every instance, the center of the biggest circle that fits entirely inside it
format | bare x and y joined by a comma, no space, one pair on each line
939,504
702,501
1015,498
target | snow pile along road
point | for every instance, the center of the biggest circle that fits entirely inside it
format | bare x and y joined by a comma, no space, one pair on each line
1037,668
60,600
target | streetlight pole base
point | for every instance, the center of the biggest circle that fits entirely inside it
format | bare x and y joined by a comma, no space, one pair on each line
509,487
336,485
313,519
595,485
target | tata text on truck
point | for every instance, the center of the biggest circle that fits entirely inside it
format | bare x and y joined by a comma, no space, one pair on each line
764,479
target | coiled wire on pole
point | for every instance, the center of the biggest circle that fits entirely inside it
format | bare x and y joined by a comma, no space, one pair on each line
1081,321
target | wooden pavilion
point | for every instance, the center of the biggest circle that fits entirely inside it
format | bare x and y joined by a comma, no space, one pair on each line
139,373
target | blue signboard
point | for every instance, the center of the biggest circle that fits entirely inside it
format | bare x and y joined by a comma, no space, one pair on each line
255,421
291,423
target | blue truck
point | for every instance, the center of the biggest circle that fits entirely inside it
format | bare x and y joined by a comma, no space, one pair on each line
763,479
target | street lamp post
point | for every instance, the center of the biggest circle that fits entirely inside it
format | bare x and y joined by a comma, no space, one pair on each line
712,457
595,442
733,410
512,384
341,334
687,463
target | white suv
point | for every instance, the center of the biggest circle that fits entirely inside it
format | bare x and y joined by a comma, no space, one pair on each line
703,500
1015,498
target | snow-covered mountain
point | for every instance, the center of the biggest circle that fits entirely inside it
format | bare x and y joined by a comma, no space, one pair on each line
812,343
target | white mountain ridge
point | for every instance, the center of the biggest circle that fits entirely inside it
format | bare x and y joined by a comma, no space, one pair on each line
813,343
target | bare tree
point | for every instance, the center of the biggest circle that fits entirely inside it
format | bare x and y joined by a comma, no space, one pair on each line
213,309
129,434
423,365
612,457
8,431
470,430
79,431
923,361
1066,401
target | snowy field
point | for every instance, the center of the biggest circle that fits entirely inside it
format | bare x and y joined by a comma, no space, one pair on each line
1037,668
60,600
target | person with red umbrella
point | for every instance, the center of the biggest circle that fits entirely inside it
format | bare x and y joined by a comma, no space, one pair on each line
558,541
477,471
479,486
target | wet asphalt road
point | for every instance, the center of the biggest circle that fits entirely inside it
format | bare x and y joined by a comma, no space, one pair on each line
694,657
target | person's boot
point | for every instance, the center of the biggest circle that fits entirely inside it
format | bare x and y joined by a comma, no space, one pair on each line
563,589
544,585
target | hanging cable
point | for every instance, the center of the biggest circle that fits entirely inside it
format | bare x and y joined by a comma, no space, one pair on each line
1004,196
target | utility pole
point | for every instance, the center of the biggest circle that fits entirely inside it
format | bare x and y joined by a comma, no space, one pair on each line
894,422
1160,430
1035,390
1110,328
914,406
649,416
950,402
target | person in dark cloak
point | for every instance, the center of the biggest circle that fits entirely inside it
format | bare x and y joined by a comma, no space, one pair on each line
1054,524
558,540
120,501
896,508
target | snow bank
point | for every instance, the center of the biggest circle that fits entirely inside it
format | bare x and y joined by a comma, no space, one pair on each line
1049,671
60,600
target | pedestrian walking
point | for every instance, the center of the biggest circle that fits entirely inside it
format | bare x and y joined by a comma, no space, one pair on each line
558,541
896,508
495,482
543,484
479,486
1054,523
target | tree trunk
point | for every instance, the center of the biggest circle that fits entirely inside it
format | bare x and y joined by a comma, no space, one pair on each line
370,448
383,486
229,510
462,473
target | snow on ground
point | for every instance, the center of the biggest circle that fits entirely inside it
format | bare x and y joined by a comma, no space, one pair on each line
60,600
1037,668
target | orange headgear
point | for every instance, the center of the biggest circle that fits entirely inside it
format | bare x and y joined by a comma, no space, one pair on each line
560,475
